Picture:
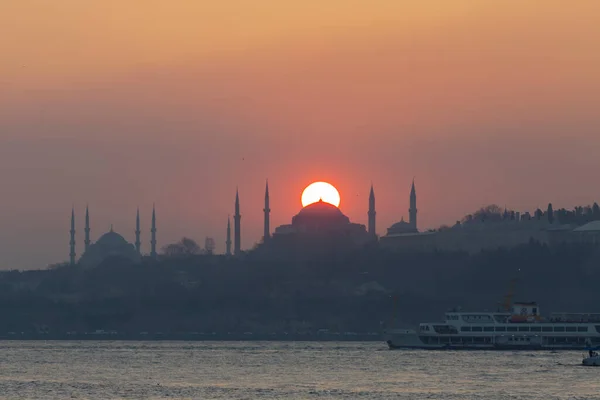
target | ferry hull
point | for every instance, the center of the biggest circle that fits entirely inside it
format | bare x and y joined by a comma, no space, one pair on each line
411,340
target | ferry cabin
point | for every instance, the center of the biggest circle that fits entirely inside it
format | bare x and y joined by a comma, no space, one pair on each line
522,327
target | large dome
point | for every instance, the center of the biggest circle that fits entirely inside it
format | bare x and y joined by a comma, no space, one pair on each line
319,222
110,244
320,208
320,212
111,239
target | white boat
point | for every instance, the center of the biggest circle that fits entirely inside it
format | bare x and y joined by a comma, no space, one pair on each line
593,360
520,327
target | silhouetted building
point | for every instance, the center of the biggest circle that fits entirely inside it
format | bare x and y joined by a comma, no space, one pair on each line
588,233
322,218
404,227
153,253
372,212
110,244
228,241
267,211
412,211
87,229
237,226
72,253
138,232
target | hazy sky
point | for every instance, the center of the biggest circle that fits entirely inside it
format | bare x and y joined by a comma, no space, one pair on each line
122,103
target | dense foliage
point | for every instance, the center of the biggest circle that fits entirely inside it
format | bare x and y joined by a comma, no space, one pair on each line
327,288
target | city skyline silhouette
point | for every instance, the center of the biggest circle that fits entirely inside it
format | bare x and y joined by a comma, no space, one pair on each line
119,107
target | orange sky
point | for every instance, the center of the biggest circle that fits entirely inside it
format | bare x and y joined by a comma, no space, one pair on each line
125,103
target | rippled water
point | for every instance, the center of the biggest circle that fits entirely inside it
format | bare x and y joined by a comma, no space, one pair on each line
284,370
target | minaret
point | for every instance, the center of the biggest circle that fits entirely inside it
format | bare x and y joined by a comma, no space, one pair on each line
72,242
87,229
138,243
267,211
228,241
372,212
236,226
153,234
412,211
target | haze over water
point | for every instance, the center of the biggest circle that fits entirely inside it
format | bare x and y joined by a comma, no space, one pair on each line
125,104
284,370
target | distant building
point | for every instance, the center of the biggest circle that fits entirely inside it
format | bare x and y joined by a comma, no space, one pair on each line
473,235
404,227
237,227
588,233
322,218
110,244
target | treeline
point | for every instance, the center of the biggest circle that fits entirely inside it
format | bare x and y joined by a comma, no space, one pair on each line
354,290
580,215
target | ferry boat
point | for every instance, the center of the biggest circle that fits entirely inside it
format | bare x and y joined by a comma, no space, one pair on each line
521,327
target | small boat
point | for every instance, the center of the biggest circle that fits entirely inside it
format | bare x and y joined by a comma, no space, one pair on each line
593,360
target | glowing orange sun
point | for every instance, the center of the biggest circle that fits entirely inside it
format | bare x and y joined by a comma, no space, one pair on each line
320,191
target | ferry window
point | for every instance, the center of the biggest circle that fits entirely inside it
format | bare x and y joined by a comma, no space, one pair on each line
546,329
512,329
465,328
477,329
536,329
571,329
523,329
488,329
559,329
582,329
534,310
500,329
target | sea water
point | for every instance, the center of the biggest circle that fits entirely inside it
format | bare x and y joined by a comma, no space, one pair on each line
284,370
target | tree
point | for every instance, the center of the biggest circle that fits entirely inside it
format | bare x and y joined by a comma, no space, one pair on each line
550,213
59,265
492,213
209,246
185,247
596,211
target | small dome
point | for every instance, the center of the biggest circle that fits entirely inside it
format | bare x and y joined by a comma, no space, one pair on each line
400,225
111,239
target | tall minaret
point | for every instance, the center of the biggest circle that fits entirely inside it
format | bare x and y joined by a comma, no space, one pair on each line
87,229
72,242
228,241
412,211
267,210
372,212
138,243
153,234
236,226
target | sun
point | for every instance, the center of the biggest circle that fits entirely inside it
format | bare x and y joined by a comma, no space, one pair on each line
320,191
